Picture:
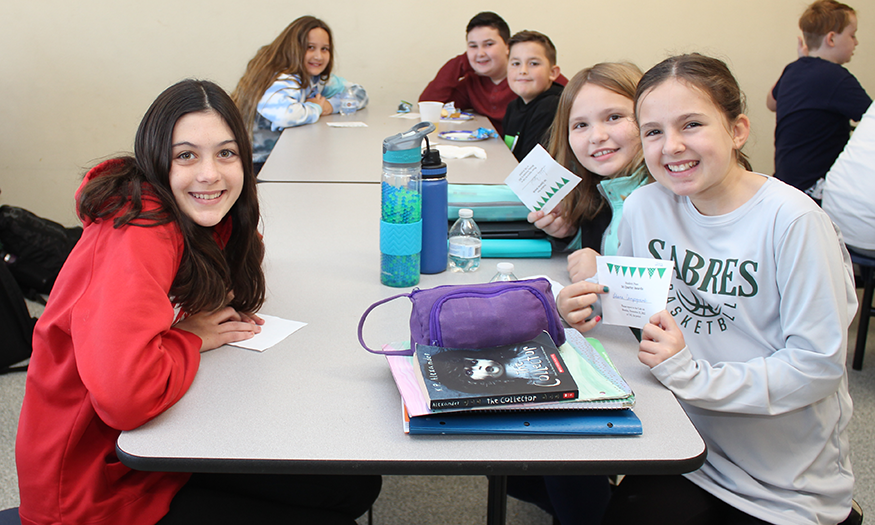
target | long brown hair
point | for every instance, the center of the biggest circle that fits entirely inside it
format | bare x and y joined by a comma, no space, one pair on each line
285,55
711,76
207,271
584,201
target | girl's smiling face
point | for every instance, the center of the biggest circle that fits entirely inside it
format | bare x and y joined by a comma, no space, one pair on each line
602,131
206,172
318,52
689,146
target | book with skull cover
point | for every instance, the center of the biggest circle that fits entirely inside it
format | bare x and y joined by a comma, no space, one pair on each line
461,379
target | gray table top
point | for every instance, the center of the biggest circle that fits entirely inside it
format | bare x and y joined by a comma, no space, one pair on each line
356,153
318,402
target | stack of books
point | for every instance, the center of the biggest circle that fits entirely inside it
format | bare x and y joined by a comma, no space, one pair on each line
527,388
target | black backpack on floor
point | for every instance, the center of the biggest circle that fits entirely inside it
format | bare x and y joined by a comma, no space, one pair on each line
32,251
35,249
16,324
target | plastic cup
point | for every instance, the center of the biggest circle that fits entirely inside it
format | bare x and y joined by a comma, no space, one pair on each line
430,112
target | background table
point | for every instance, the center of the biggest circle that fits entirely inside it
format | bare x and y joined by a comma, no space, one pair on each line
317,402
320,153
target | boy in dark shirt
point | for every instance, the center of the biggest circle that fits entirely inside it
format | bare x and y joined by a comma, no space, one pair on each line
816,98
531,74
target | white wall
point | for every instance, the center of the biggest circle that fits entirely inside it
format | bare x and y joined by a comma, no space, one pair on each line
76,77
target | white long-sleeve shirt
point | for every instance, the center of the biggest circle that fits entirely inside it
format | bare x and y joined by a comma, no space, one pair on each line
850,184
764,296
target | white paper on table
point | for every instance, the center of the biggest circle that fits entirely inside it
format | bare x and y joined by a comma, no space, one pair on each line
353,124
540,182
637,288
410,116
274,330
555,286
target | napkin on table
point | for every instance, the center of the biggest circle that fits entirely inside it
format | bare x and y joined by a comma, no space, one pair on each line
459,152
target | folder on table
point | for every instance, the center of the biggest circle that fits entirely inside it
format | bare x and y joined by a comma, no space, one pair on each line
622,422
516,249
510,230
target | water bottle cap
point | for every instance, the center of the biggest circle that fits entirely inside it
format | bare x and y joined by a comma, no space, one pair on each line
431,157
465,213
505,267
432,167
404,148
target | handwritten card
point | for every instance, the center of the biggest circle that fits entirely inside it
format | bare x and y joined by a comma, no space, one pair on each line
274,330
540,182
638,288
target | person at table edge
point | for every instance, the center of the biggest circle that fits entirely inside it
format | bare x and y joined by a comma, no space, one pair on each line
477,79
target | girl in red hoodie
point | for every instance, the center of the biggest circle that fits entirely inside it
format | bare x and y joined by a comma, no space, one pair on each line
168,266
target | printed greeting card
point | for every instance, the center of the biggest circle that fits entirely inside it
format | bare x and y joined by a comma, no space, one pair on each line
540,182
637,288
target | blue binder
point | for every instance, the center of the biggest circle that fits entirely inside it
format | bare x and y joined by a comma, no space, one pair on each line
620,422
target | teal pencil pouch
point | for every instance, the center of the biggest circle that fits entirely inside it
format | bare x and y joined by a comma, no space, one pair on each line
516,249
490,202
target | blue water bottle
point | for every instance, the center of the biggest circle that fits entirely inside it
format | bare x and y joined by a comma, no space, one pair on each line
434,212
401,224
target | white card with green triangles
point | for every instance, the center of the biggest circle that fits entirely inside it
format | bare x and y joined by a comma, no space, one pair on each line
637,288
540,182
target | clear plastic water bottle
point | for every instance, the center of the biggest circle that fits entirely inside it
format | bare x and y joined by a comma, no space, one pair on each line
464,243
348,101
505,273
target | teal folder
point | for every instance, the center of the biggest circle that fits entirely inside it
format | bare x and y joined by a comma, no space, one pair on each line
516,248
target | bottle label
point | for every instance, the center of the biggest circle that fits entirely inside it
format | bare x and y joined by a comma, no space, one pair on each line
463,250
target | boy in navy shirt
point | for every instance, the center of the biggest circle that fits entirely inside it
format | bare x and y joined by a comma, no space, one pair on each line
816,98
531,74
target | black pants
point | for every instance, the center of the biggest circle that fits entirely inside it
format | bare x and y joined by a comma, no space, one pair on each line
272,498
572,500
670,500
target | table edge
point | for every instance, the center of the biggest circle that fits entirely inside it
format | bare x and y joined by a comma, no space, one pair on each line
412,467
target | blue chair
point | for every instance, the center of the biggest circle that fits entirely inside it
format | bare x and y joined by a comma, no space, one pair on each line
867,270
9,517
